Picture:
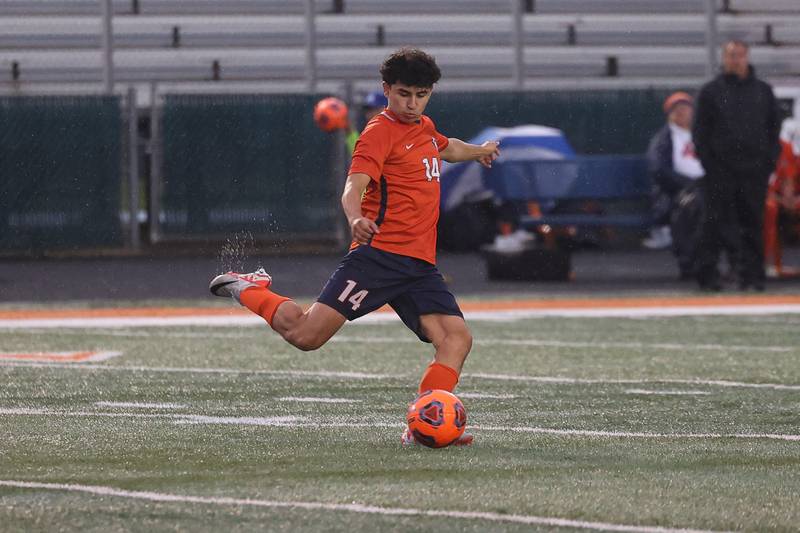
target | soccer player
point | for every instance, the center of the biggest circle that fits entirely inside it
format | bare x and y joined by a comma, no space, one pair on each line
391,200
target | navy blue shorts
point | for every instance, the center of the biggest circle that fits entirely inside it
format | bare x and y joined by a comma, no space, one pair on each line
368,278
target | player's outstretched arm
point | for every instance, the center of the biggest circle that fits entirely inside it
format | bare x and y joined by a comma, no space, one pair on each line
457,151
361,227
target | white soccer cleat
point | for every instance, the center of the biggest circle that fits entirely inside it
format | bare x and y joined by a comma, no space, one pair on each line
407,439
232,283
659,239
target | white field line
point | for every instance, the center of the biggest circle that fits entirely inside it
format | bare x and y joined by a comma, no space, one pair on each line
482,341
137,405
388,317
103,356
156,333
340,507
275,374
279,374
667,392
482,396
271,421
316,400
767,319
60,356
578,344
133,322
637,435
306,422
582,381
298,422
632,312
32,411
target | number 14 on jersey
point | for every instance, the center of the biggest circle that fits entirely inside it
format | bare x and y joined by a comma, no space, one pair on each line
431,168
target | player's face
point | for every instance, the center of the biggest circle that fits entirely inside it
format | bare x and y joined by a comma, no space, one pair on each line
736,60
406,101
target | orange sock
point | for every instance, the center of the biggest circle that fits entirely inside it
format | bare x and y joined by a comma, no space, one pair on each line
438,376
262,302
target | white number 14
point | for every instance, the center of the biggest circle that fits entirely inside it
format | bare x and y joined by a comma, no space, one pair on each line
431,168
357,298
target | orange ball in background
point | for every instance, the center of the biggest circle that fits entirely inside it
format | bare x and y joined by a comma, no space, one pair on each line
330,114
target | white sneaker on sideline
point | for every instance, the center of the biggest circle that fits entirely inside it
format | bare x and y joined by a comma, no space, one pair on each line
660,238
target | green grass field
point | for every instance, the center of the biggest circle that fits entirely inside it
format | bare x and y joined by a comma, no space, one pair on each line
656,423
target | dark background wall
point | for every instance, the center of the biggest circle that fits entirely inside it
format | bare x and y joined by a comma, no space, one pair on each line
595,122
60,172
254,163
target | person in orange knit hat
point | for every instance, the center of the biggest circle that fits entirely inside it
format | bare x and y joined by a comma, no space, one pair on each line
673,167
391,200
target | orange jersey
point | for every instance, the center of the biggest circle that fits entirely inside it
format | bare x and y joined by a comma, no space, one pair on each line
403,196
787,171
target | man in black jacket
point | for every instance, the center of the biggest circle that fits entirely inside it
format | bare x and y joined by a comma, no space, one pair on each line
736,137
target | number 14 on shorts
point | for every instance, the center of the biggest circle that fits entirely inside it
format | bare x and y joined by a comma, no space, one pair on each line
356,298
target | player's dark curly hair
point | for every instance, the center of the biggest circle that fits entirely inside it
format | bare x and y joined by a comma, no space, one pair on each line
412,67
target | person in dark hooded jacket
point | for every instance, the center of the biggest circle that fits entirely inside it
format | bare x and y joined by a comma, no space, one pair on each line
672,166
735,133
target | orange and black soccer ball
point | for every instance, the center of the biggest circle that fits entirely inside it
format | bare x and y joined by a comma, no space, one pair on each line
330,114
436,418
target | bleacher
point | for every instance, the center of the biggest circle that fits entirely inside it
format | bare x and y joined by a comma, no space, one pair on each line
50,45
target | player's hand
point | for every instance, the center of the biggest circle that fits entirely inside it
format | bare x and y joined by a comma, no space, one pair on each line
363,229
491,152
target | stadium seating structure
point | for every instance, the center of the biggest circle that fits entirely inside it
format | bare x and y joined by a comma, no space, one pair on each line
52,45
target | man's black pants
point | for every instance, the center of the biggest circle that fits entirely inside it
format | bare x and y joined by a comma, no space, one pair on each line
734,220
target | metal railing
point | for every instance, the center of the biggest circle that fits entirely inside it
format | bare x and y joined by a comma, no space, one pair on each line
516,10
497,44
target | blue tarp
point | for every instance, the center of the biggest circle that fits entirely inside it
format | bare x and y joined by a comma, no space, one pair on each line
468,182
